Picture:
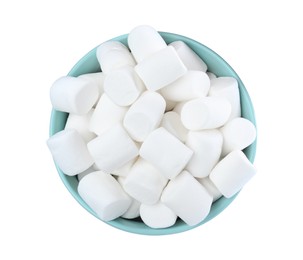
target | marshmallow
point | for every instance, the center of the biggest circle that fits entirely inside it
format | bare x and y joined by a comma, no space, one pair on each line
211,75
144,182
171,121
123,86
207,147
124,170
178,107
113,55
133,211
145,41
81,175
187,198
80,123
157,215
168,154
104,195
190,59
112,149
227,87
205,113
193,84
161,69
70,152
237,134
96,78
210,187
170,105
144,115
106,115
73,95
232,173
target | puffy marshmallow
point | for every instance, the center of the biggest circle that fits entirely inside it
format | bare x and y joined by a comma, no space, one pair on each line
104,195
160,69
113,55
210,187
84,173
70,152
81,123
171,121
178,107
193,84
112,149
96,78
123,86
211,75
227,87
205,113
232,173
207,147
238,134
168,154
144,115
170,105
73,95
133,211
106,115
124,170
144,41
144,182
185,196
190,59
157,215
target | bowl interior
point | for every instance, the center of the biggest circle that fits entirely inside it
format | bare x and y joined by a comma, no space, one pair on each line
217,65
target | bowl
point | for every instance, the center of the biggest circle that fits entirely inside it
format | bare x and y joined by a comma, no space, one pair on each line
217,65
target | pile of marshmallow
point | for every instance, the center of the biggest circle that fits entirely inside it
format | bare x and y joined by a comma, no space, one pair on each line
154,135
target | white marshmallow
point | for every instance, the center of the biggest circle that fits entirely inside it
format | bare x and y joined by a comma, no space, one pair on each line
185,196
227,87
178,107
190,59
73,95
133,211
81,123
207,147
211,75
171,121
70,152
144,182
157,215
123,86
238,134
145,41
205,113
210,187
112,149
144,115
170,105
124,170
193,84
232,173
104,195
96,78
84,173
113,55
168,154
106,115
161,69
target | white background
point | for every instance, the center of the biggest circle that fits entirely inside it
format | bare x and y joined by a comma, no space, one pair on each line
42,40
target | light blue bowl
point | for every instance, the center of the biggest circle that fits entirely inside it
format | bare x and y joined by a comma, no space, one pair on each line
217,65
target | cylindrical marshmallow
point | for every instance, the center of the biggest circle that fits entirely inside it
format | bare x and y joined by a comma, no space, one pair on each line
81,123
113,55
210,187
123,86
144,182
161,69
133,210
207,147
96,78
70,152
157,215
237,134
104,195
144,41
124,170
211,75
167,153
112,149
171,121
193,84
227,87
187,198
73,95
190,59
205,113
106,115
232,173
144,115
